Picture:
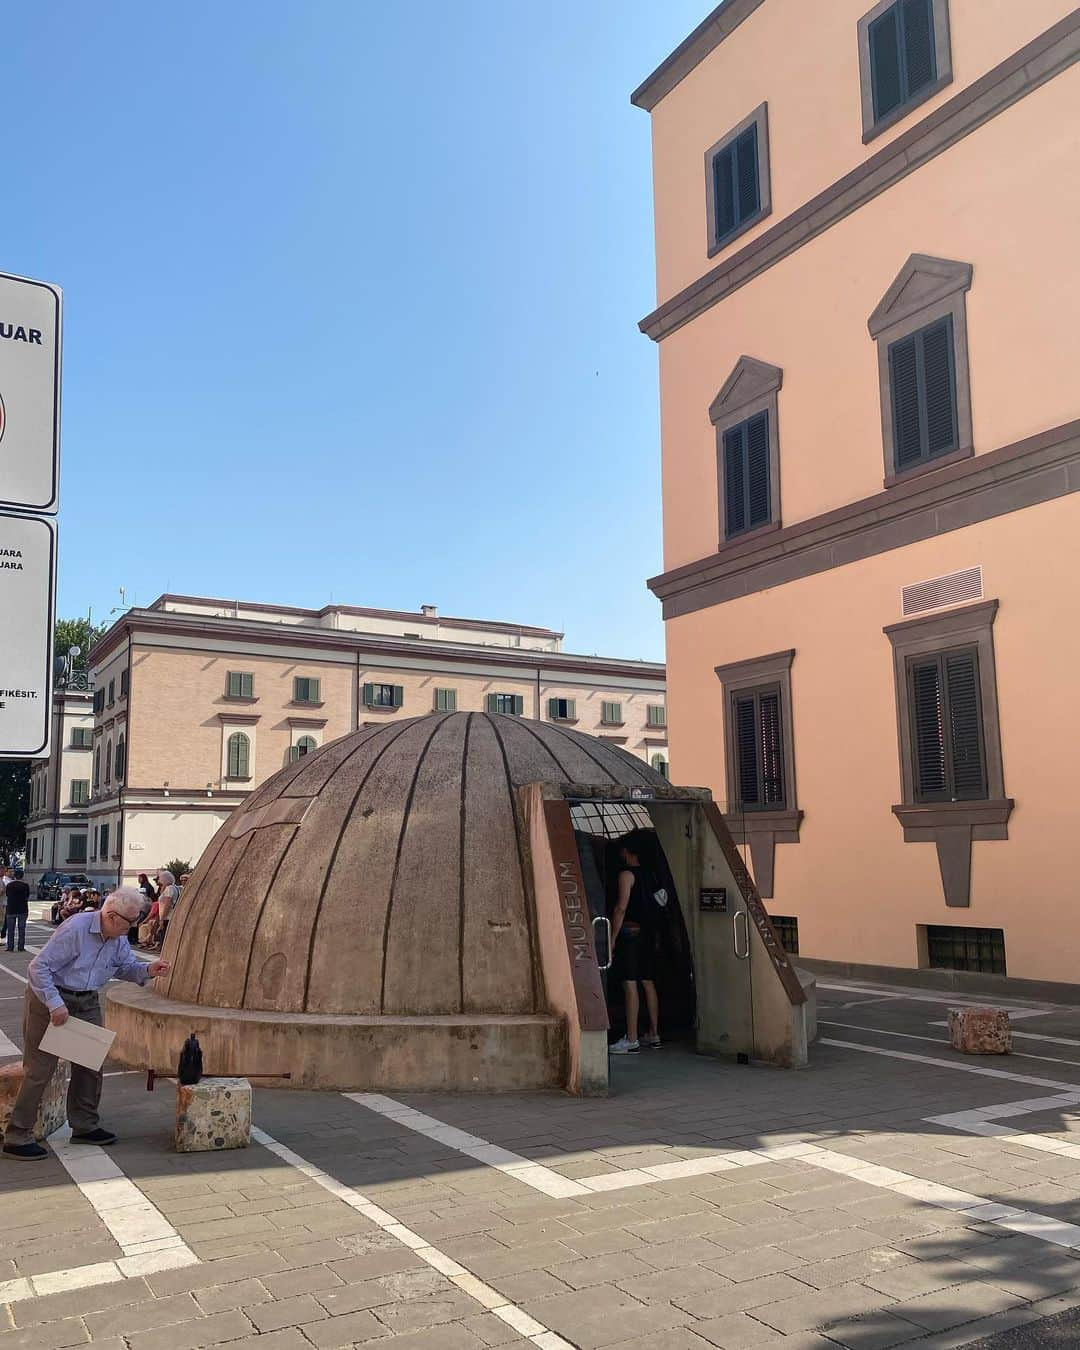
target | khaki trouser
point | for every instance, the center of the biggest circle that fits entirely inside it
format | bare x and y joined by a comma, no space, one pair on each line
84,1091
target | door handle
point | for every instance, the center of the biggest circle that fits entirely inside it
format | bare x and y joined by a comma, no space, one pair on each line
743,952
601,918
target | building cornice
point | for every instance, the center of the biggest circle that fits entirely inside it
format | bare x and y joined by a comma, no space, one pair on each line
402,615
690,53
1008,82
169,623
1033,470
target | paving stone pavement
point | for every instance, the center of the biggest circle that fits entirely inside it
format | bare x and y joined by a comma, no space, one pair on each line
350,1227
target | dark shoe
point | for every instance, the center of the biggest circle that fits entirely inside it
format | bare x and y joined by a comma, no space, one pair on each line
25,1152
20,949
98,1136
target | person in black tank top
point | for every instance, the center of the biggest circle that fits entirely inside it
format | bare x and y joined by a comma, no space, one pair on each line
633,932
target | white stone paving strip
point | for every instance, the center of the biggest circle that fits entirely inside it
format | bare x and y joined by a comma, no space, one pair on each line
148,1241
14,975
1041,1226
940,1040
947,1064
489,1299
8,1047
943,999
536,1175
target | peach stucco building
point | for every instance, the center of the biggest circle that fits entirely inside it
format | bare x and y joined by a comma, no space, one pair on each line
866,230
197,701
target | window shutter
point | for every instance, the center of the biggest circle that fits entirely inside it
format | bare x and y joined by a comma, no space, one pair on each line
724,191
369,695
928,729
904,383
315,686
746,173
553,709
939,383
294,753
571,709
965,726
772,753
919,55
492,703
885,76
746,767
518,704
734,480
399,695
757,469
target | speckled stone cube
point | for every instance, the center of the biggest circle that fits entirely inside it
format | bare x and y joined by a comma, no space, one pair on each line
213,1114
52,1113
980,1031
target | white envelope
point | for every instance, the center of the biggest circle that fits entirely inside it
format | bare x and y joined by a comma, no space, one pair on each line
78,1041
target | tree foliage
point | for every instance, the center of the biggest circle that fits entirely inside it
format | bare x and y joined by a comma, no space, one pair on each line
178,867
14,804
79,633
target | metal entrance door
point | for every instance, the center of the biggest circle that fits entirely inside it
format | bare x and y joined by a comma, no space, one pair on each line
719,927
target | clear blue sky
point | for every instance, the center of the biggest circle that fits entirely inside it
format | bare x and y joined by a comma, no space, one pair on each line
351,300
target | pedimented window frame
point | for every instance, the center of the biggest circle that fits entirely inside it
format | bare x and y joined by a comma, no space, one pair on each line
951,826
925,289
752,387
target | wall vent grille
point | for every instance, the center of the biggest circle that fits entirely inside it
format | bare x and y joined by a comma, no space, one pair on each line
940,592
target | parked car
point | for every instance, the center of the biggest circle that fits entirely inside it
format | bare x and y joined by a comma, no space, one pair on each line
59,881
46,883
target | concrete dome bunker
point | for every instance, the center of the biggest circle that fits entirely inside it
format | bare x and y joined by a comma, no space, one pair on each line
404,909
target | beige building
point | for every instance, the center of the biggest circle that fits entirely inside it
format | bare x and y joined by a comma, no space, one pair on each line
866,222
56,829
198,701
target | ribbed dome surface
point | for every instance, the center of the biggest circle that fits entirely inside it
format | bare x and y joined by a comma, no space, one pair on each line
383,873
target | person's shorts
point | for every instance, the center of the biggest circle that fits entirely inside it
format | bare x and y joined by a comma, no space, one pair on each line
635,956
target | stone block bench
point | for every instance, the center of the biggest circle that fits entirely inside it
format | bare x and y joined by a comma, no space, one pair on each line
213,1114
980,1031
52,1112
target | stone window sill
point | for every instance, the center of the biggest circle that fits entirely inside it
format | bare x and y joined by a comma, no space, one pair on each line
763,830
238,778
952,827
929,465
239,698
307,703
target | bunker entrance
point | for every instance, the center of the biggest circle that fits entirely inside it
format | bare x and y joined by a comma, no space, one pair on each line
600,829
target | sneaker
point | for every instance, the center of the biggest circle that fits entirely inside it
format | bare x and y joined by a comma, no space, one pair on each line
624,1047
25,1152
98,1136
651,1042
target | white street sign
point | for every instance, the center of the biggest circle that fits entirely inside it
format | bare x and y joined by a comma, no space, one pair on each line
27,603
30,336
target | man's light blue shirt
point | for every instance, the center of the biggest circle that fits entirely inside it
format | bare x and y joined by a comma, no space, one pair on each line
78,957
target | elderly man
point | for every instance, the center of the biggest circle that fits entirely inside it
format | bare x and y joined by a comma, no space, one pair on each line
65,976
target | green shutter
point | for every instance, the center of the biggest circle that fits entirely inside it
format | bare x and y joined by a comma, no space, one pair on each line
315,687
492,703
294,753
553,709
519,705
399,695
369,695
571,709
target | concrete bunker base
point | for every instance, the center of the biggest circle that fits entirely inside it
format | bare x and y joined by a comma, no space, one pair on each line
342,1053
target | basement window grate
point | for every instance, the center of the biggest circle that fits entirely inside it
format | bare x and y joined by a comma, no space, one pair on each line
981,950
941,592
787,930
